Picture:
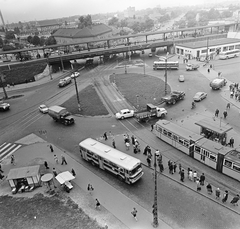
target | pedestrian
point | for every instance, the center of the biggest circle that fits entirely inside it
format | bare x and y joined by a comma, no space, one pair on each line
231,94
46,165
149,161
218,193
1,168
171,168
209,189
51,148
190,175
127,145
236,96
97,205
145,151
149,152
202,179
157,153
12,160
225,197
216,113
133,140
73,172
174,167
228,106
152,126
194,176
180,167
105,136
225,114
54,172
235,200
161,168
198,185
208,70
231,142
182,175
55,158
134,213
63,160
113,144
90,189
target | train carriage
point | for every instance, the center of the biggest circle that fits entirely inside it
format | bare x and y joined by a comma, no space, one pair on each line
231,164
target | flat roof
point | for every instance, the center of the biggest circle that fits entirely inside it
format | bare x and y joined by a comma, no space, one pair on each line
211,43
214,125
234,155
23,172
212,146
180,131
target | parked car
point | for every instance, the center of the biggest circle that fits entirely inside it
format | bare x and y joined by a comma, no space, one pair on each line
4,106
181,78
43,108
200,96
125,113
63,82
75,74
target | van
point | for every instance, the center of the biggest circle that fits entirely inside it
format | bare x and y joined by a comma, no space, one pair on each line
218,83
63,82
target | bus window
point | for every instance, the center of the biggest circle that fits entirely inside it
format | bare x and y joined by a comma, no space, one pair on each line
197,149
186,143
169,134
175,138
212,157
235,167
181,141
228,163
164,132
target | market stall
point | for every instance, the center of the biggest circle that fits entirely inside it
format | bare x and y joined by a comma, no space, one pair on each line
64,179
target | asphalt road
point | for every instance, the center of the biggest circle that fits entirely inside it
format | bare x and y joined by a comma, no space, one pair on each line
179,207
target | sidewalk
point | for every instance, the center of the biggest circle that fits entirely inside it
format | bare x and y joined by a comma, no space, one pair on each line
115,207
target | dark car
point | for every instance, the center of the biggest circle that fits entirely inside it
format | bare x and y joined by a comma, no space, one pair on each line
4,106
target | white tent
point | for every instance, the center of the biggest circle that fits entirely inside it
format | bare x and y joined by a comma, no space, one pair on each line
64,177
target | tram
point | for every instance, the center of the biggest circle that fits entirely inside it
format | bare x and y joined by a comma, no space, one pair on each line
224,159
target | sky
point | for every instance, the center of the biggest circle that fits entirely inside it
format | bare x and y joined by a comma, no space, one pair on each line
30,10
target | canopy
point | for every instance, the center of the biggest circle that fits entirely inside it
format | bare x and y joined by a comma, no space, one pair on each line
23,172
64,176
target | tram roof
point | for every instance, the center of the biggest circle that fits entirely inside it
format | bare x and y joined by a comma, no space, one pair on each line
215,125
212,146
234,155
123,160
178,130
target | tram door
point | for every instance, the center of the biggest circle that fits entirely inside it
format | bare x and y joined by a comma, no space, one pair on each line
191,148
219,166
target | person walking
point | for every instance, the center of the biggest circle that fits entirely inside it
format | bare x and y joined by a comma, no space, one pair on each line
54,172
134,213
133,140
216,113
12,160
97,204
63,160
190,176
90,189
198,185
51,148
145,151
202,179
225,197
46,165
179,167
182,175
1,168
231,142
194,176
228,106
225,114
161,168
209,189
127,144
55,158
73,172
152,126
105,136
149,161
217,193
114,143
171,168
174,167
235,200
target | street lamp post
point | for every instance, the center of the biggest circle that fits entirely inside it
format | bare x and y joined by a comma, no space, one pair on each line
165,76
137,100
78,100
155,206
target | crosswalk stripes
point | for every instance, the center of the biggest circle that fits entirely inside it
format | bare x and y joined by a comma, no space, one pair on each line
6,149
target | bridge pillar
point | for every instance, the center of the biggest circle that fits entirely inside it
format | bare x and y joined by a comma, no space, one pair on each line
146,39
108,44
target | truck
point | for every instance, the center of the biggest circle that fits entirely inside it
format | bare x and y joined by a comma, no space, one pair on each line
173,97
65,81
149,112
191,67
60,114
218,83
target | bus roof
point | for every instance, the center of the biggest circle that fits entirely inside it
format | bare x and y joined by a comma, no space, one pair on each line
163,62
234,155
123,160
180,131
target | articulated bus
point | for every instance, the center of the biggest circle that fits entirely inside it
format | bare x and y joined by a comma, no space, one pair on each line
124,166
229,54
224,159
158,65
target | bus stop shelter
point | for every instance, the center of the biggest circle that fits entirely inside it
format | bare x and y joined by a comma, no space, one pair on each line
214,129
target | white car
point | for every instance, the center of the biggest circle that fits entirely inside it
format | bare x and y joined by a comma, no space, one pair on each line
200,96
181,78
43,108
125,113
75,74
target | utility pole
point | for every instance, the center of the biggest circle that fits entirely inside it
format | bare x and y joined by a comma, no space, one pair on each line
165,76
2,81
155,205
207,51
78,100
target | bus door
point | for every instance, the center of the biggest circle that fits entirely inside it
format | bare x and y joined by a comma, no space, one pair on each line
219,165
101,165
191,148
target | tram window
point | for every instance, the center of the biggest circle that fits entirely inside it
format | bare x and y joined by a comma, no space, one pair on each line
169,134
228,163
164,132
181,141
237,168
175,137
212,157
186,143
202,157
205,152
197,149
159,129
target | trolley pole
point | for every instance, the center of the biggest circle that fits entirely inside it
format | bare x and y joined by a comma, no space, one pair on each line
155,206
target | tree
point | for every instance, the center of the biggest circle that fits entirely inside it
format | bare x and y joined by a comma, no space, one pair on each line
213,14
84,21
1,42
123,23
16,30
29,39
113,21
226,14
50,41
36,40
42,41
192,23
9,35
